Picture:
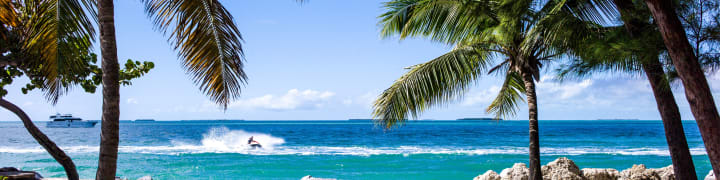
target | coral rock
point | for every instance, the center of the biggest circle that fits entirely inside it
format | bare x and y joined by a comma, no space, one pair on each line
518,172
489,175
600,174
639,172
710,176
562,168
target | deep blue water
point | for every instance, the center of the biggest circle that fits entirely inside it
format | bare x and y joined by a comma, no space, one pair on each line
346,149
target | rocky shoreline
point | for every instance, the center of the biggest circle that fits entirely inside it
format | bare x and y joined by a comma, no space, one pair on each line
564,168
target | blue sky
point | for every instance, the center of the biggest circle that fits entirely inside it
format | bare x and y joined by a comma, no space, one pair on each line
319,61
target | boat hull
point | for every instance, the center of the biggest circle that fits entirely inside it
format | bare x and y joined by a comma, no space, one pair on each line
68,124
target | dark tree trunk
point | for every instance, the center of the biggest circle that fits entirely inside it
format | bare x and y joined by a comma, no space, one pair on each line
109,138
55,151
669,112
535,173
697,90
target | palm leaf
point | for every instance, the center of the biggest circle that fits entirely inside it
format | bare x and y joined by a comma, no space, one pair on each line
207,39
435,82
446,21
510,95
57,33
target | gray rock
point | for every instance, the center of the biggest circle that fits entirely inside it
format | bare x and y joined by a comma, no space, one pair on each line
710,176
600,174
145,178
666,173
489,175
561,168
518,172
639,172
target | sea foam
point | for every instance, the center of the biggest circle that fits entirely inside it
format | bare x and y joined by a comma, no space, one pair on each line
224,140
353,150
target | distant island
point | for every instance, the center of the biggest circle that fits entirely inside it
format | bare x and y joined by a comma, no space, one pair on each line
214,120
479,119
360,119
145,120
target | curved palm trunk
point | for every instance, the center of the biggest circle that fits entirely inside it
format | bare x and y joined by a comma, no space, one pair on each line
535,173
697,90
107,162
670,114
55,151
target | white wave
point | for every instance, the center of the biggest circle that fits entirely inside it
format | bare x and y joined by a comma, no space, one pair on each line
356,150
224,140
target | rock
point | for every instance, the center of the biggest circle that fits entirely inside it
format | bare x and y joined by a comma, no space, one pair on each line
710,176
309,177
8,169
518,172
600,174
489,175
639,172
14,173
561,168
666,173
145,178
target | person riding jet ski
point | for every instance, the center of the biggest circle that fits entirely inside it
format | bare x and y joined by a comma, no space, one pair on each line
254,144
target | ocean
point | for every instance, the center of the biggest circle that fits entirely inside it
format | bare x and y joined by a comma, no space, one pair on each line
346,149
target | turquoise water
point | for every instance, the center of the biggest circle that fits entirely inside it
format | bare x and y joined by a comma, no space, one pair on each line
346,149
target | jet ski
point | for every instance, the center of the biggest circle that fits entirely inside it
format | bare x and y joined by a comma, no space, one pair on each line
255,145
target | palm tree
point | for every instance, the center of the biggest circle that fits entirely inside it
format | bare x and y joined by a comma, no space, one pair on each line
44,39
207,40
634,48
482,32
693,78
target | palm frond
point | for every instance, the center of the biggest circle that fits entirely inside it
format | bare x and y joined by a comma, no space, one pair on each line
58,33
601,12
510,95
209,42
446,21
8,15
435,82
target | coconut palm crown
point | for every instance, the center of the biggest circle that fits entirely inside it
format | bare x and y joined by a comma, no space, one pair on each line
502,37
489,37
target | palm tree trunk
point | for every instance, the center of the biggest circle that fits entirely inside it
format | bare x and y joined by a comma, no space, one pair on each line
535,173
670,114
697,90
55,151
109,139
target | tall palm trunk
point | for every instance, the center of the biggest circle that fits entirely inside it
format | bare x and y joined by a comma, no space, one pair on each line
109,140
57,153
669,112
535,173
697,90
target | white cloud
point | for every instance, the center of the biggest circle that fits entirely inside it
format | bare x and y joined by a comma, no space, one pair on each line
563,90
27,104
365,100
132,101
347,101
292,100
485,96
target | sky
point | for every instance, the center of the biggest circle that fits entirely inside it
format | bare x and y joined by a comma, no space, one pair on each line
322,60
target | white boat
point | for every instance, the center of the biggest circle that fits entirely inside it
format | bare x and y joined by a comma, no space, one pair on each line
68,121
